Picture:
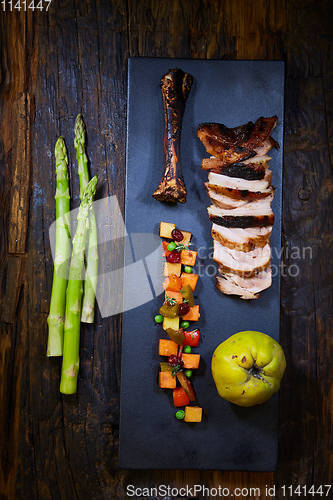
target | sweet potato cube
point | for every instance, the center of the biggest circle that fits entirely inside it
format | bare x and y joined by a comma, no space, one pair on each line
171,323
188,257
173,283
170,268
191,361
167,347
174,295
193,314
193,414
167,381
189,279
166,229
186,237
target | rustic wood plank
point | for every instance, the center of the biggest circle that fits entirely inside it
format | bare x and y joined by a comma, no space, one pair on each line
21,159
12,279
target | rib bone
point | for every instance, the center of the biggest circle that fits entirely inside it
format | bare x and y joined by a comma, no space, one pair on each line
175,87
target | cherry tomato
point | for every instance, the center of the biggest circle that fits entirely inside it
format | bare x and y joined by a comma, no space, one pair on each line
192,338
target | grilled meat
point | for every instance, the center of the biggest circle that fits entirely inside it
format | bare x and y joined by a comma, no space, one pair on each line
245,288
244,264
222,201
252,169
242,217
241,239
232,145
239,186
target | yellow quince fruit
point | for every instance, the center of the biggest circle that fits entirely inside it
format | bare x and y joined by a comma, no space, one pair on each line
248,367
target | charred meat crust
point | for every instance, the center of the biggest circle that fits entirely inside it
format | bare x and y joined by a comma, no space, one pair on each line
250,172
243,221
175,87
238,194
232,145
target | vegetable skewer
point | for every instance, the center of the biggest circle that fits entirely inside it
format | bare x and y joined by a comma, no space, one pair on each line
70,364
56,318
88,304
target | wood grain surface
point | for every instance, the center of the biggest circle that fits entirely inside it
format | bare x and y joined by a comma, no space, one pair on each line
74,58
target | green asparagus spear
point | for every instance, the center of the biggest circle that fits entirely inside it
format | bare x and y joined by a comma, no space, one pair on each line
88,305
70,362
56,317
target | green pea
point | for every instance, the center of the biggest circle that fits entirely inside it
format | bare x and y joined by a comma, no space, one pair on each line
188,373
172,245
184,324
180,414
187,349
188,269
158,318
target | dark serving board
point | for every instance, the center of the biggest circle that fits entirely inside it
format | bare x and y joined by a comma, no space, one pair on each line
230,437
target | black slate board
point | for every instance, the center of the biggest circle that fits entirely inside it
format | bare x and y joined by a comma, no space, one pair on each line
230,437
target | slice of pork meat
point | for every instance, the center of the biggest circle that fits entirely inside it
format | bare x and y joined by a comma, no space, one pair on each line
266,146
240,189
245,264
245,288
241,184
232,145
226,143
245,216
244,240
252,169
222,201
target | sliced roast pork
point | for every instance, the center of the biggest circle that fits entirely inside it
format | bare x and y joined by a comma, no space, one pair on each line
245,288
222,201
242,263
244,240
245,216
252,169
241,189
239,186
232,145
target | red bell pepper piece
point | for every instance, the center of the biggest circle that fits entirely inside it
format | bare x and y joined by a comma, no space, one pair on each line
192,338
165,248
180,397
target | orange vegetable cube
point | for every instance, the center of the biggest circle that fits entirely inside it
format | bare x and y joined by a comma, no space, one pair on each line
193,314
167,347
191,361
188,257
173,283
193,414
167,381
189,279
186,237
170,268
174,295
180,398
166,229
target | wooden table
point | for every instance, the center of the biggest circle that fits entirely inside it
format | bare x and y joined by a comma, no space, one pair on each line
74,58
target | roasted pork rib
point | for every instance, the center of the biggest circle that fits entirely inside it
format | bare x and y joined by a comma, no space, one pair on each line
175,87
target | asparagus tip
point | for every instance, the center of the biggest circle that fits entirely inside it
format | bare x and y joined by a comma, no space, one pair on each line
79,130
